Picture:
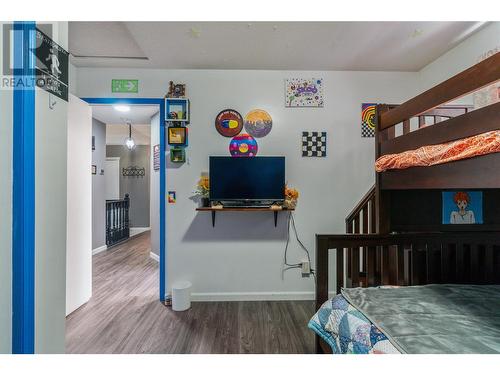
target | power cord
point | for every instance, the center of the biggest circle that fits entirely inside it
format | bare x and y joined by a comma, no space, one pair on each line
291,223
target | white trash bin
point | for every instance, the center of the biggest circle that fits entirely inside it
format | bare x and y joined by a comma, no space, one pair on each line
181,296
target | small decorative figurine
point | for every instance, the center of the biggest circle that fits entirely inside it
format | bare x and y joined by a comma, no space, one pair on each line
176,90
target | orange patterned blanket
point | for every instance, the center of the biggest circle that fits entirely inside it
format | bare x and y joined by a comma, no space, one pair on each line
482,144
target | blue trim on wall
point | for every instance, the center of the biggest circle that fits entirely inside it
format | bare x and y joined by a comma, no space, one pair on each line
163,194
162,221
23,200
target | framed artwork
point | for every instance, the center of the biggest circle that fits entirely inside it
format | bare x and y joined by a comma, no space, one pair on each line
177,135
258,123
243,145
301,92
229,123
171,197
177,155
94,169
368,111
314,144
462,207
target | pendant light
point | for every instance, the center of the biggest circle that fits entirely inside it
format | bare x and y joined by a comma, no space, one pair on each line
129,142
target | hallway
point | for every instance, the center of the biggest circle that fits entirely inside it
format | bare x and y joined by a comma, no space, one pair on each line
125,316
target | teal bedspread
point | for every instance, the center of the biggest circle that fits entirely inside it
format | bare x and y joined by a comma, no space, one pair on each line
434,318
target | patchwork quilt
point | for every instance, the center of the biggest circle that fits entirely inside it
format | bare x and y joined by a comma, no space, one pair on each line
347,330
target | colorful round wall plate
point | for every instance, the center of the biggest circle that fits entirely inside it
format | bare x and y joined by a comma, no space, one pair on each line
258,123
243,145
229,123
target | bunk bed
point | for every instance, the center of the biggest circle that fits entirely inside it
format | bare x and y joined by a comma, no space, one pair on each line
398,264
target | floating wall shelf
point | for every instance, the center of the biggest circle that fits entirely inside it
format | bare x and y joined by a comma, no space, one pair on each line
177,110
243,209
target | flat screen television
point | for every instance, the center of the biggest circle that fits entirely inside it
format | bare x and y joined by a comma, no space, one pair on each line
254,181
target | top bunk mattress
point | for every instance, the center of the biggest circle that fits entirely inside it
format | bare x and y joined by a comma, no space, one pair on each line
481,144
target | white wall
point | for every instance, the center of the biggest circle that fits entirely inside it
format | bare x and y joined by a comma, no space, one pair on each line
154,186
50,216
79,203
6,214
241,257
99,187
461,57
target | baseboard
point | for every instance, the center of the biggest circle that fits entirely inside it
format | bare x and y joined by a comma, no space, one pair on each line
99,250
154,256
138,230
253,296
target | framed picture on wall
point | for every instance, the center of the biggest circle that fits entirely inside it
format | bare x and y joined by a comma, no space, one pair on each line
462,207
177,135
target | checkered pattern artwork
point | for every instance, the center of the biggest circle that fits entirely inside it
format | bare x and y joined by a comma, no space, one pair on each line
368,119
314,144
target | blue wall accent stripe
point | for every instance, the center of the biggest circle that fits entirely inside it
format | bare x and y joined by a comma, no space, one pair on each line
161,103
23,200
163,194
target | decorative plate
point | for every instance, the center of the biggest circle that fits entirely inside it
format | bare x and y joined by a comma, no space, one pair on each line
243,145
258,123
229,123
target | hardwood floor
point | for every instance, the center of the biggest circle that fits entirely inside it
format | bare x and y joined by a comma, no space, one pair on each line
124,315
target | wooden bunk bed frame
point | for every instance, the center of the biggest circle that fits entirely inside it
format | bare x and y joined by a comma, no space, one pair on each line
474,173
368,255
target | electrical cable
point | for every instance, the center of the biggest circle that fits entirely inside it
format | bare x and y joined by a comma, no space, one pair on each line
286,246
291,222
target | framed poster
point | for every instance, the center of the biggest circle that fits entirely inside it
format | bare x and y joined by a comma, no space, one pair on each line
368,111
314,144
462,207
301,92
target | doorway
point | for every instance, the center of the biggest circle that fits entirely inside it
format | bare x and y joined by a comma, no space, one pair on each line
112,174
161,189
129,180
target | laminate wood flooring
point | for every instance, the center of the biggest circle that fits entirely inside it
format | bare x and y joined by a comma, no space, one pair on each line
124,315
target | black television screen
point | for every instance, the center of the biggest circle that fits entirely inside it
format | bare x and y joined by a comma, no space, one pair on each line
247,179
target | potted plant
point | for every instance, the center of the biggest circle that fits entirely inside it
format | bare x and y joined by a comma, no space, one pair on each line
202,191
291,198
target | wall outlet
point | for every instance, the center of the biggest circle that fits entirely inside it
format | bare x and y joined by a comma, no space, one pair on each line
306,268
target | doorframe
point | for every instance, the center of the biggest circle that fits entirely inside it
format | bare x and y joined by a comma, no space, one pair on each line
23,192
163,175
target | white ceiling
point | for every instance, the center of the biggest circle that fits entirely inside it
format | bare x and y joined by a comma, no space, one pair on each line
116,127
138,114
400,46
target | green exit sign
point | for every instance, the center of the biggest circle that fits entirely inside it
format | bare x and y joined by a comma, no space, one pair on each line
125,85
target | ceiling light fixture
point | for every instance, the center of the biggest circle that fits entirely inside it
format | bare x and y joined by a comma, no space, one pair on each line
121,108
129,142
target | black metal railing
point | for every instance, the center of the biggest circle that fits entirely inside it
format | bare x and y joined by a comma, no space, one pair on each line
117,220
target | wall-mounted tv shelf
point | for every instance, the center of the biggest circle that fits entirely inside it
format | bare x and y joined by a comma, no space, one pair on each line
243,209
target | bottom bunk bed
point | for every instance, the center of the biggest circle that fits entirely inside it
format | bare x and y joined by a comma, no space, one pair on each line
409,293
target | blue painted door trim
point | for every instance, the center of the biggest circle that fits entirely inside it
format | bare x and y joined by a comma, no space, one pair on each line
23,199
163,175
